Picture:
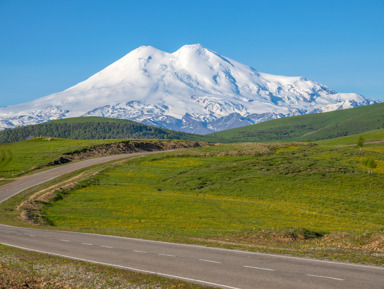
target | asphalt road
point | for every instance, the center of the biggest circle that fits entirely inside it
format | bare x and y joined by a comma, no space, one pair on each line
211,266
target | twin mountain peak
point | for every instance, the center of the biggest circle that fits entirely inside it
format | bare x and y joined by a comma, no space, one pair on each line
192,90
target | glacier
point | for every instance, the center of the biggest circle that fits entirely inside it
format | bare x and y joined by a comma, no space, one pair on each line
192,90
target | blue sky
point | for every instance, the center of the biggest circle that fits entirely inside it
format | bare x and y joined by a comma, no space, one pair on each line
47,46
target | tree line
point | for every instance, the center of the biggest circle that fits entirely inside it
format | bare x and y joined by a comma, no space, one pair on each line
91,130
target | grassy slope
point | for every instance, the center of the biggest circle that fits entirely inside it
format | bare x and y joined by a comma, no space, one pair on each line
25,155
240,194
313,127
96,128
29,156
298,186
369,136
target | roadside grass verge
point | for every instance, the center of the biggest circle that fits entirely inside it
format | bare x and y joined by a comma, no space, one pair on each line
3,182
24,269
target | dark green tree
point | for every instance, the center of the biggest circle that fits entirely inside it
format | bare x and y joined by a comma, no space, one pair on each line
5,157
370,163
360,142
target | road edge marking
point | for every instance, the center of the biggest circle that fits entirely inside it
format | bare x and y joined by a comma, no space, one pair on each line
259,268
325,277
125,267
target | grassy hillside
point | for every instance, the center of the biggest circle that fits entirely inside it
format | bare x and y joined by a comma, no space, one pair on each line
298,199
22,157
203,193
94,128
310,127
376,135
28,156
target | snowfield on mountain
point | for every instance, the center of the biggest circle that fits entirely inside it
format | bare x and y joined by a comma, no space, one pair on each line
193,90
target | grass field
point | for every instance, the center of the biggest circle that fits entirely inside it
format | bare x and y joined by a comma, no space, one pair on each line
23,157
32,155
297,199
202,195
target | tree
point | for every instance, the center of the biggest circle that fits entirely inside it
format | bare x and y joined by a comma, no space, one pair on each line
370,163
360,142
5,157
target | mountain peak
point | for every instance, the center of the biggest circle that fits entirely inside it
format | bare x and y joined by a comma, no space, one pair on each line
193,89
194,47
190,49
146,50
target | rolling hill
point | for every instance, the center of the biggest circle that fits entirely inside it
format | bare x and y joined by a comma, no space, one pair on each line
311,127
95,128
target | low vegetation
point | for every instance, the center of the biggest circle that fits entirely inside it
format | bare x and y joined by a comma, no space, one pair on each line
295,198
22,269
27,156
24,157
370,137
300,186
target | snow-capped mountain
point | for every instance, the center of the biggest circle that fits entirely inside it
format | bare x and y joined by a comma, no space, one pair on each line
193,90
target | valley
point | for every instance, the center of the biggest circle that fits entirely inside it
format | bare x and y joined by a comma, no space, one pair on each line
256,196
301,199
191,144
228,196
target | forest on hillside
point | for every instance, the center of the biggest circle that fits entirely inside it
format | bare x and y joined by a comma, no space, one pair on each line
91,130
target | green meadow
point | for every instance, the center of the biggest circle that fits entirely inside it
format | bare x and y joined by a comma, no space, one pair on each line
369,136
29,156
232,194
308,199
316,188
25,156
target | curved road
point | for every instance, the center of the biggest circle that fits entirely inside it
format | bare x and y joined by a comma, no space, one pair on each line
210,266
